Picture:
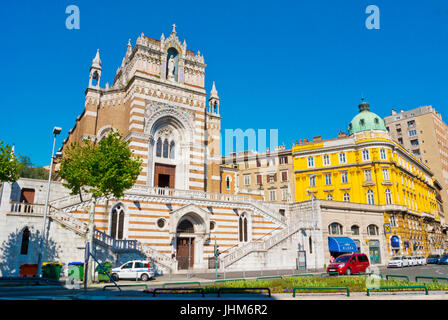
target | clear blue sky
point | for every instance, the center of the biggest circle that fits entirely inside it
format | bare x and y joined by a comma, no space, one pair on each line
296,66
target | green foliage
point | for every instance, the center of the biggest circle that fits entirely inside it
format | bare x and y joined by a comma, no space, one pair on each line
9,164
104,169
286,285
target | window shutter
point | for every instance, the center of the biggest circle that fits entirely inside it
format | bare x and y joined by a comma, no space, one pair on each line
275,177
259,177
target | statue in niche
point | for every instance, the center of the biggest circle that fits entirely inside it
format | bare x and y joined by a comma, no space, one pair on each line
171,64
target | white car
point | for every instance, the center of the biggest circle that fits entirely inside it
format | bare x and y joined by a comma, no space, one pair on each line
422,260
413,261
398,262
136,269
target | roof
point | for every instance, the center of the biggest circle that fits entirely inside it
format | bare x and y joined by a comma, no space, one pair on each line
366,120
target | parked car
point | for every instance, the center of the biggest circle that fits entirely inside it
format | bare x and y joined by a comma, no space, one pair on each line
421,260
433,259
349,264
398,262
136,269
406,262
413,261
443,259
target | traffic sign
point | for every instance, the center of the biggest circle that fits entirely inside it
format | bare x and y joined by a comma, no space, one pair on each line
387,228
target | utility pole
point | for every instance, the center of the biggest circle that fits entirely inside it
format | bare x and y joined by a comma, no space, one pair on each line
56,131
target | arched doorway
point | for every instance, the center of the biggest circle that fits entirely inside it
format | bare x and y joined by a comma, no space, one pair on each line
185,245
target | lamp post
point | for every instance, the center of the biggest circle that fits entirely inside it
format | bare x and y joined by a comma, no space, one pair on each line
56,131
309,192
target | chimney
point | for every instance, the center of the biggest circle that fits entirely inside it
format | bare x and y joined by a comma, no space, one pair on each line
317,138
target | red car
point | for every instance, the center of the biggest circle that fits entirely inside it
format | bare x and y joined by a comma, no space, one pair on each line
349,264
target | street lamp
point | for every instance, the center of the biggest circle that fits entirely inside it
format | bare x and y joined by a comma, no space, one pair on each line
56,131
309,192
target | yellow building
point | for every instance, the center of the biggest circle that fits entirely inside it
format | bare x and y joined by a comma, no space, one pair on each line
367,166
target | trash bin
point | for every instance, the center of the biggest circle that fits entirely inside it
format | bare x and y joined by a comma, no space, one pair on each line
51,270
104,266
28,270
76,270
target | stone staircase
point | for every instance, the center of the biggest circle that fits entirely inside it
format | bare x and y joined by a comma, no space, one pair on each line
306,221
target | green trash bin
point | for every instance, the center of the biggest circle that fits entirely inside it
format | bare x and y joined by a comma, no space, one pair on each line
105,266
76,271
51,270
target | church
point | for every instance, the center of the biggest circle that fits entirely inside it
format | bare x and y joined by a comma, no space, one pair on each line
180,205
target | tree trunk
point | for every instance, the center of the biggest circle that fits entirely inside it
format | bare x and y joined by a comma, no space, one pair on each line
90,240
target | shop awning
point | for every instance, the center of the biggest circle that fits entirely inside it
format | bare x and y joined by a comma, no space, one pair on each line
341,244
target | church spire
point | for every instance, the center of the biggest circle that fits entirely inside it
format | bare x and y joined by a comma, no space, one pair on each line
129,48
95,71
213,101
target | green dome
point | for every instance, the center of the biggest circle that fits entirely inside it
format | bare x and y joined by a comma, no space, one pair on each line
366,121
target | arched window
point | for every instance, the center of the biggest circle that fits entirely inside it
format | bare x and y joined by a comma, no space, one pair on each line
159,148
388,196
335,228
242,226
25,241
117,222
185,226
355,230
330,197
372,230
172,149
370,197
346,197
165,148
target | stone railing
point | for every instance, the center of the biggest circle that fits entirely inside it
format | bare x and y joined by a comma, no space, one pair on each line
27,208
213,196
68,220
116,244
68,201
159,257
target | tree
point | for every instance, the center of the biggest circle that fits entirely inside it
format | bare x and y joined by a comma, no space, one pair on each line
9,164
28,171
107,169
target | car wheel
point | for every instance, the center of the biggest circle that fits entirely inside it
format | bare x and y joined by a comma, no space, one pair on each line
115,276
348,272
144,277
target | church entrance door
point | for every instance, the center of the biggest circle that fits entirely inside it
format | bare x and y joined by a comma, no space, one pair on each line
185,253
164,175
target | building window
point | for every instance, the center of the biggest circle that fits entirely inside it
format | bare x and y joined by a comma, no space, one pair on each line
172,149
365,155
368,175
259,179
335,228
383,154
117,222
411,123
330,197
270,162
326,160
414,142
228,183
242,226
346,197
310,242
284,176
159,148
258,163
370,197
272,178
412,133
386,174
185,226
161,223
247,180
312,181
393,221
310,162
342,158
328,179
25,241
165,148
285,194
388,196
272,195
283,160
355,230
344,177
372,230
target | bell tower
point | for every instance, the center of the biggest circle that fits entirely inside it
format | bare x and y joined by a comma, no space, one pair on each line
95,71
